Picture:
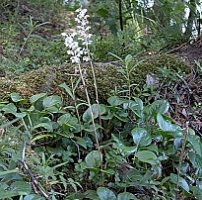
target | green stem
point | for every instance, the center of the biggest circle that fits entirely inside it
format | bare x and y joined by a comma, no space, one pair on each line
91,112
182,153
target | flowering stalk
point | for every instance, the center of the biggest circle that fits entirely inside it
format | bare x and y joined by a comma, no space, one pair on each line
78,50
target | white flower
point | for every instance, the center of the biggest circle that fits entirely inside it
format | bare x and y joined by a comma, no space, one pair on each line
78,42
63,34
86,58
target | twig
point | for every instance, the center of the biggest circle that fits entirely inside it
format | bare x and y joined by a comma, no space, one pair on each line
33,179
176,48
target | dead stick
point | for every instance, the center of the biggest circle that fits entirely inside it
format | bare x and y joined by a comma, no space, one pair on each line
33,179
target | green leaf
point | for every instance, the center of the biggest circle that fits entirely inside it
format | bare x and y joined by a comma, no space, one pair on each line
80,141
10,108
91,194
40,137
51,101
166,125
64,119
8,194
195,159
122,148
141,137
67,89
180,181
126,196
97,109
33,197
105,194
52,109
16,97
46,126
196,144
160,106
147,157
90,127
122,116
4,173
128,59
36,97
22,187
197,192
20,115
67,121
93,159
136,106
115,101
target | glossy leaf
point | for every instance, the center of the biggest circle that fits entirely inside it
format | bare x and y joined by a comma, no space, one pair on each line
147,157
180,181
15,97
33,197
194,140
97,109
115,101
136,106
36,97
126,196
105,194
10,108
160,106
166,125
53,100
93,159
141,137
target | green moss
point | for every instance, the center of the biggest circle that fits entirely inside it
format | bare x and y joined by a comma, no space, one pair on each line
48,78
154,63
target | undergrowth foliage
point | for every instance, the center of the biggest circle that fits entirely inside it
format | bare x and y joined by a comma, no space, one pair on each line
121,150
143,151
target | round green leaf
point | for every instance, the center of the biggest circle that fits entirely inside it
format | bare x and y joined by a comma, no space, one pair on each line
105,194
93,159
10,108
97,109
16,97
141,137
36,97
160,106
147,157
115,101
126,196
51,101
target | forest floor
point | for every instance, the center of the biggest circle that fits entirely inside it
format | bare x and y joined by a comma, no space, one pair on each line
188,107
20,53
191,86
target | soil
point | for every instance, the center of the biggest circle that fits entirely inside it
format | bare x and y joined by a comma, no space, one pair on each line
188,107
191,51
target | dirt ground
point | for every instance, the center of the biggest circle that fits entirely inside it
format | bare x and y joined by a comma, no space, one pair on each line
188,106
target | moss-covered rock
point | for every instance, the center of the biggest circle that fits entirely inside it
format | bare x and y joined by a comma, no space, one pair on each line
48,78
154,63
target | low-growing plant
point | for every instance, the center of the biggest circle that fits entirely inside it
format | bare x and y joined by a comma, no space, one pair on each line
122,149
142,149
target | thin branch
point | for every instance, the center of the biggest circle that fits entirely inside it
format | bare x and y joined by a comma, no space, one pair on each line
33,180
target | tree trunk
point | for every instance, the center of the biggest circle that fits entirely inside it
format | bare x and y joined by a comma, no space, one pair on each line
190,20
